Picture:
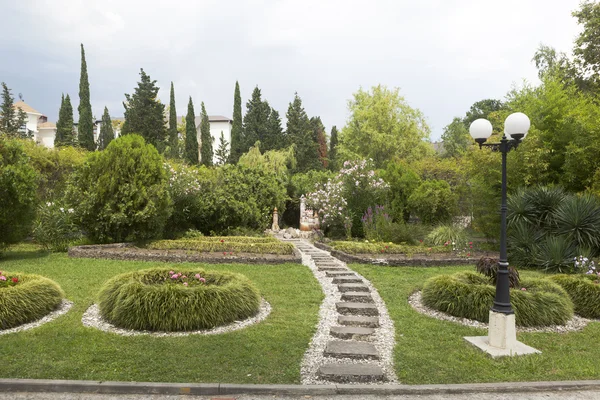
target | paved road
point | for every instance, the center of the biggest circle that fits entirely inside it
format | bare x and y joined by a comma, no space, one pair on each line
575,395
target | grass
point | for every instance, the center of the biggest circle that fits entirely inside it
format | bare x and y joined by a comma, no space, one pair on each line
430,351
269,352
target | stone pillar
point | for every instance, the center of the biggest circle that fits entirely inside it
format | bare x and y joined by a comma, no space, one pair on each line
275,226
302,208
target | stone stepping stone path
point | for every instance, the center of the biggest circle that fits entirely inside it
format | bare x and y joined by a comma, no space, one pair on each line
355,335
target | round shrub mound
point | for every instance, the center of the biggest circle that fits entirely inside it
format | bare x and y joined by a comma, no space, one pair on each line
470,295
584,291
30,299
153,300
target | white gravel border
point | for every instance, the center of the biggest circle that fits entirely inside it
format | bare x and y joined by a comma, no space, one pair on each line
63,308
383,340
577,323
92,319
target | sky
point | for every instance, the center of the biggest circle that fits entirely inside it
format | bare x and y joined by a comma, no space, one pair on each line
444,55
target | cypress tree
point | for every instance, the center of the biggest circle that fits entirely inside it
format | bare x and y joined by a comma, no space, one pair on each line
319,137
191,136
333,141
65,135
206,147
255,120
86,121
144,113
274,138
222,152
300,133
107,134
236,127
173,135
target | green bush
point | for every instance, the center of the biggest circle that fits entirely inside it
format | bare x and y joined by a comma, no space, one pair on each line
447,233
379,227
224,245
152,300
18,185
433,201
469,295
584,291
54,227
30,299
121,193
384,247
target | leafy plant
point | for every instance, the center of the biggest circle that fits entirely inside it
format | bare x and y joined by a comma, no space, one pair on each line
433,201
446,233
54,227
489,267
378,227
578,219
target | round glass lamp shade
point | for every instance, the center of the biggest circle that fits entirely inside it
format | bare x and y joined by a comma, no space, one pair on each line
516,125
480,129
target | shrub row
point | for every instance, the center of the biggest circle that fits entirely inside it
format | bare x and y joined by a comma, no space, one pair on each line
470,295
584,291
235,239
225,246
389,248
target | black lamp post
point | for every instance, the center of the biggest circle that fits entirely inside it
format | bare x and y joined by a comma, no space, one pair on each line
515,129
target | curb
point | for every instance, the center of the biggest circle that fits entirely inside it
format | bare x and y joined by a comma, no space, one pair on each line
200,389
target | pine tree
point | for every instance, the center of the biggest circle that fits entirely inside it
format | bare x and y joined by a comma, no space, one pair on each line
107,134
300,134
21,121
274,138
333,141
206,147
144,113
319,137
191,135
173,135
255,120
237,129
85,127
222,152
10,122
65,135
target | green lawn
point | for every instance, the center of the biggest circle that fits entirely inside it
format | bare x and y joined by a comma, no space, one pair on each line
432,351
269,352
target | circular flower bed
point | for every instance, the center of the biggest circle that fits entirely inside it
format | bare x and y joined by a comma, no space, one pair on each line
25,298
538,302
584,291
167,300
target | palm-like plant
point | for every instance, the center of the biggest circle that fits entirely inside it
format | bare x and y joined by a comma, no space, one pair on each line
578,219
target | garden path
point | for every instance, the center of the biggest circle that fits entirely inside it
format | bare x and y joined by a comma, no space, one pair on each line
355,336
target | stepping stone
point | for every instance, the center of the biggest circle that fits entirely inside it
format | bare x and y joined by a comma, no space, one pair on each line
332,274
331,268
351,332
360,297
344,373
355,350
347,279
352,287
358,320
347,308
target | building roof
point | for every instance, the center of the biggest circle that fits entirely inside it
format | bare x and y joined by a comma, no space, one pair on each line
218,118
26,107
47,125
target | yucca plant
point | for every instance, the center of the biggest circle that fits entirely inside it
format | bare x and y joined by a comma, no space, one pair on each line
447,233
520,208
578,220
545,200
555,254
523,240
488,266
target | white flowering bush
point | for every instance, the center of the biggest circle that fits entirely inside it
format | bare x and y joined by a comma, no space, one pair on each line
343,200
54,227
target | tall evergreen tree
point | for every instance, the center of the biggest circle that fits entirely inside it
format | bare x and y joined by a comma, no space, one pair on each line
206,147
237,128
191,135
255,120
222,152
319,137
107,134
274,138
65,134
85,127
10,119
333,141
173,135
300,133
144,113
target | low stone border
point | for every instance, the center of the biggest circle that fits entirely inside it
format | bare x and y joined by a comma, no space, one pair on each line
127,251
576,323
92,319
63,308
401,260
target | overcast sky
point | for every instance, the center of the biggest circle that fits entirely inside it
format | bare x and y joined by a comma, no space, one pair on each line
443,54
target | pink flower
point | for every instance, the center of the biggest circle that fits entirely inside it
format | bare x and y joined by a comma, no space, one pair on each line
171,272
202,280
523,288
197,276
185,283
184,277
174,276
2,278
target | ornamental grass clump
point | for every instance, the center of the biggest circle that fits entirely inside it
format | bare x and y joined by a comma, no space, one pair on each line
25,298
177,300
539,302
584,288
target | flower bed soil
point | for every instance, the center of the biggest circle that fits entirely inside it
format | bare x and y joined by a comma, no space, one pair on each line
127,251
406,260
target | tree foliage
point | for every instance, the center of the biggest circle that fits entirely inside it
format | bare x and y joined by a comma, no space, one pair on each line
456,138
255,120
173,135
333,142
107,134
274,138
319,137
191,136
85,127
206,146
65,134
12,120
222,152
300,133
237,127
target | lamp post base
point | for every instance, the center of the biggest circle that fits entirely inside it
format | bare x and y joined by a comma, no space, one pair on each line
502,338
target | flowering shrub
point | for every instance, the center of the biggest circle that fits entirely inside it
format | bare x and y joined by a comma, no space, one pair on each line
7,280
180,278
54,227
342,200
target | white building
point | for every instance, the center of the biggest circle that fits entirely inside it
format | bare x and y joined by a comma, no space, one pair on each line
218,124
37,123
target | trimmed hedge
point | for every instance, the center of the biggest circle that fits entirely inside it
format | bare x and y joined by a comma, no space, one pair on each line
584,291
32,298
470,295
383,247
150,300
237,239
211,246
